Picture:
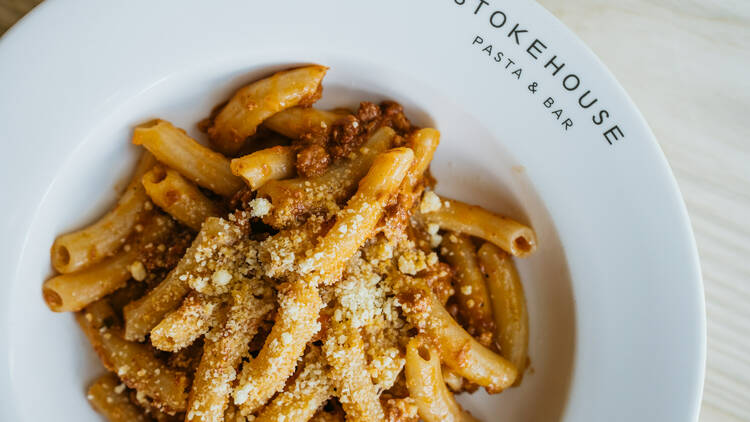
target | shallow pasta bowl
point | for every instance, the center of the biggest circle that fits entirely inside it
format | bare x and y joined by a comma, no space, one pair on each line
532,125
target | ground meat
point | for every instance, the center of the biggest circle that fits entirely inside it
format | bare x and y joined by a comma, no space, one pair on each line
345,136
160,259
312,160
393,116
396,219
319,148
241,198
367,111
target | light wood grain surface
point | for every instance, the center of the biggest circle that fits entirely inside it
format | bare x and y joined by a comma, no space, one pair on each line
686,63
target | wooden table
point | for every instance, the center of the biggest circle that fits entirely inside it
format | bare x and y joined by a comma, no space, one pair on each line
687,66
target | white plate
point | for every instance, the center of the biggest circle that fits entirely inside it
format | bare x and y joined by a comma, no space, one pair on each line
615,294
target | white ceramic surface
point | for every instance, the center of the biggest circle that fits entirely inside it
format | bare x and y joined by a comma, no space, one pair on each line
614,293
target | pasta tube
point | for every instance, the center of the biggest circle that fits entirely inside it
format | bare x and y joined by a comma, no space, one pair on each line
83,248
267,164
134,363
296,122
511,236
471,291
425,383
181,327
345,353
173,147
296,323
424,142
508,304
302,399
356,222
179,197
108,398
254,103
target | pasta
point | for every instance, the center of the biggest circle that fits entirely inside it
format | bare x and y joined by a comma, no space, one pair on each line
223,349
458,350
178,197
181,327
109,399
78,250
143,314
295,325
297,122
508,304
134,363
251,105
267,164
73,291
299,305
317,277
345,352
303,398
355,223
425,383
512,236
173,147
472,297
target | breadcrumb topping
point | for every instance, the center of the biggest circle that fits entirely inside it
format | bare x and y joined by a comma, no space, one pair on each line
260,207
430,202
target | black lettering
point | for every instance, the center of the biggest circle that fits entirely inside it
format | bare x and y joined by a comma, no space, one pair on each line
488,49
580,100
602,115
577,82
611,132
515,31
492,19
552,63
557,113
477,40
535,47
460,2
549,101
567,123
518,73
499,56
481,3
510,62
